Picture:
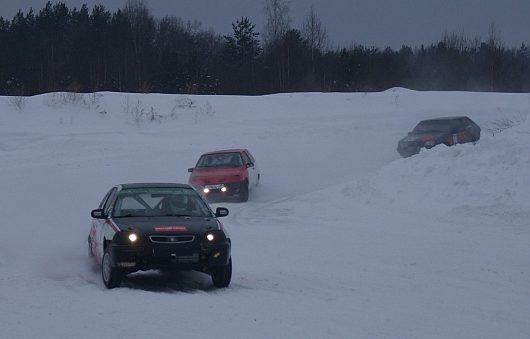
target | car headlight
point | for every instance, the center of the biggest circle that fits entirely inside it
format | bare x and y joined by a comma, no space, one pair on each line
214,237
206,190
127,238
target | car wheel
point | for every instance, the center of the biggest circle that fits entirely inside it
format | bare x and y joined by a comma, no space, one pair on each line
243,193
222,276
90,254
111,275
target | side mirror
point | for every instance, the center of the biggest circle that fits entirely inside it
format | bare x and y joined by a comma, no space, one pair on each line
221,212
190,170
98,214
250,164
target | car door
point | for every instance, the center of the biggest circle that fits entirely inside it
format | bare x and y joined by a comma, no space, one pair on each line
253,170
96,226
458,132
103,230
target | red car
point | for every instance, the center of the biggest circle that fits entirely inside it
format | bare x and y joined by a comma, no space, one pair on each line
231,172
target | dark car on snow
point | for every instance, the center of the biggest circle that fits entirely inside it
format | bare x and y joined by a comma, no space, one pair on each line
158,226
429,133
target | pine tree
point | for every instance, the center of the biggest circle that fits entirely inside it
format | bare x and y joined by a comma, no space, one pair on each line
242,50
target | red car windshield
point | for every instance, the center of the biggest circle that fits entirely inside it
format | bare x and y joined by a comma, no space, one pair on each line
220,160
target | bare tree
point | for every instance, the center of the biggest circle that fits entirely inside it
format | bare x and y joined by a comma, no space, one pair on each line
495,48
277,24
494,37
142,25
277,20
315,34
456,41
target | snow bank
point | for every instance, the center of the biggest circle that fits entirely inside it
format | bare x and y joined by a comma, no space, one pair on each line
342,239
489,178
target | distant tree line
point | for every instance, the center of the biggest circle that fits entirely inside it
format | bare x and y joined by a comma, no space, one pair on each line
82,50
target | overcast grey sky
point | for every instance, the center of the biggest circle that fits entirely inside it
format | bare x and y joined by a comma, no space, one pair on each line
379,23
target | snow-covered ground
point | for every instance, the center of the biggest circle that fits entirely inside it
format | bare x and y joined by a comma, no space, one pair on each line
342,239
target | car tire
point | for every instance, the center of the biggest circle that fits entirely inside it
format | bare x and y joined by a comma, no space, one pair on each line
111,275
243,192
90,254
222,276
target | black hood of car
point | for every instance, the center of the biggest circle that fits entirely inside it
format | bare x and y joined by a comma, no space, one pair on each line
167,225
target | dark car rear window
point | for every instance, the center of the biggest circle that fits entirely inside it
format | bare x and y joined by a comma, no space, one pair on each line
433,126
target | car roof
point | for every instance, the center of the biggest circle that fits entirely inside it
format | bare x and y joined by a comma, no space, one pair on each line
446,118
234,150
154,185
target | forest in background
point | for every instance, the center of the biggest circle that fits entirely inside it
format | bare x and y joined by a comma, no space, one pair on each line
129,50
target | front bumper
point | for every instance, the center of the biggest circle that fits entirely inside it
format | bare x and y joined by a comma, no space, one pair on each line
215,190
195,256
408,149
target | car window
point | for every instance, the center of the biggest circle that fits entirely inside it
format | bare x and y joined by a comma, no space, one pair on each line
129,202
250,156
433,126
109,201
467,122
458,125
246,159
161,201
102,203
220,160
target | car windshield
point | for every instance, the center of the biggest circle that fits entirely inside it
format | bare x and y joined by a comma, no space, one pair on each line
160,201
220,160
433,126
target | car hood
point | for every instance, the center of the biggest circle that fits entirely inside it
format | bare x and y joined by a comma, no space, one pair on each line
423,137
214,175
167,225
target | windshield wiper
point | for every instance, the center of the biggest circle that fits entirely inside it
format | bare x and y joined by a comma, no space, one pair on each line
129,216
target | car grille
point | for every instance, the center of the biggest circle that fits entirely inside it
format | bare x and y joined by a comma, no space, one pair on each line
172,239
410,146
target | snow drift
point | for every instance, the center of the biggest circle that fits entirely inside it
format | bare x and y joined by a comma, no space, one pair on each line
343,238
